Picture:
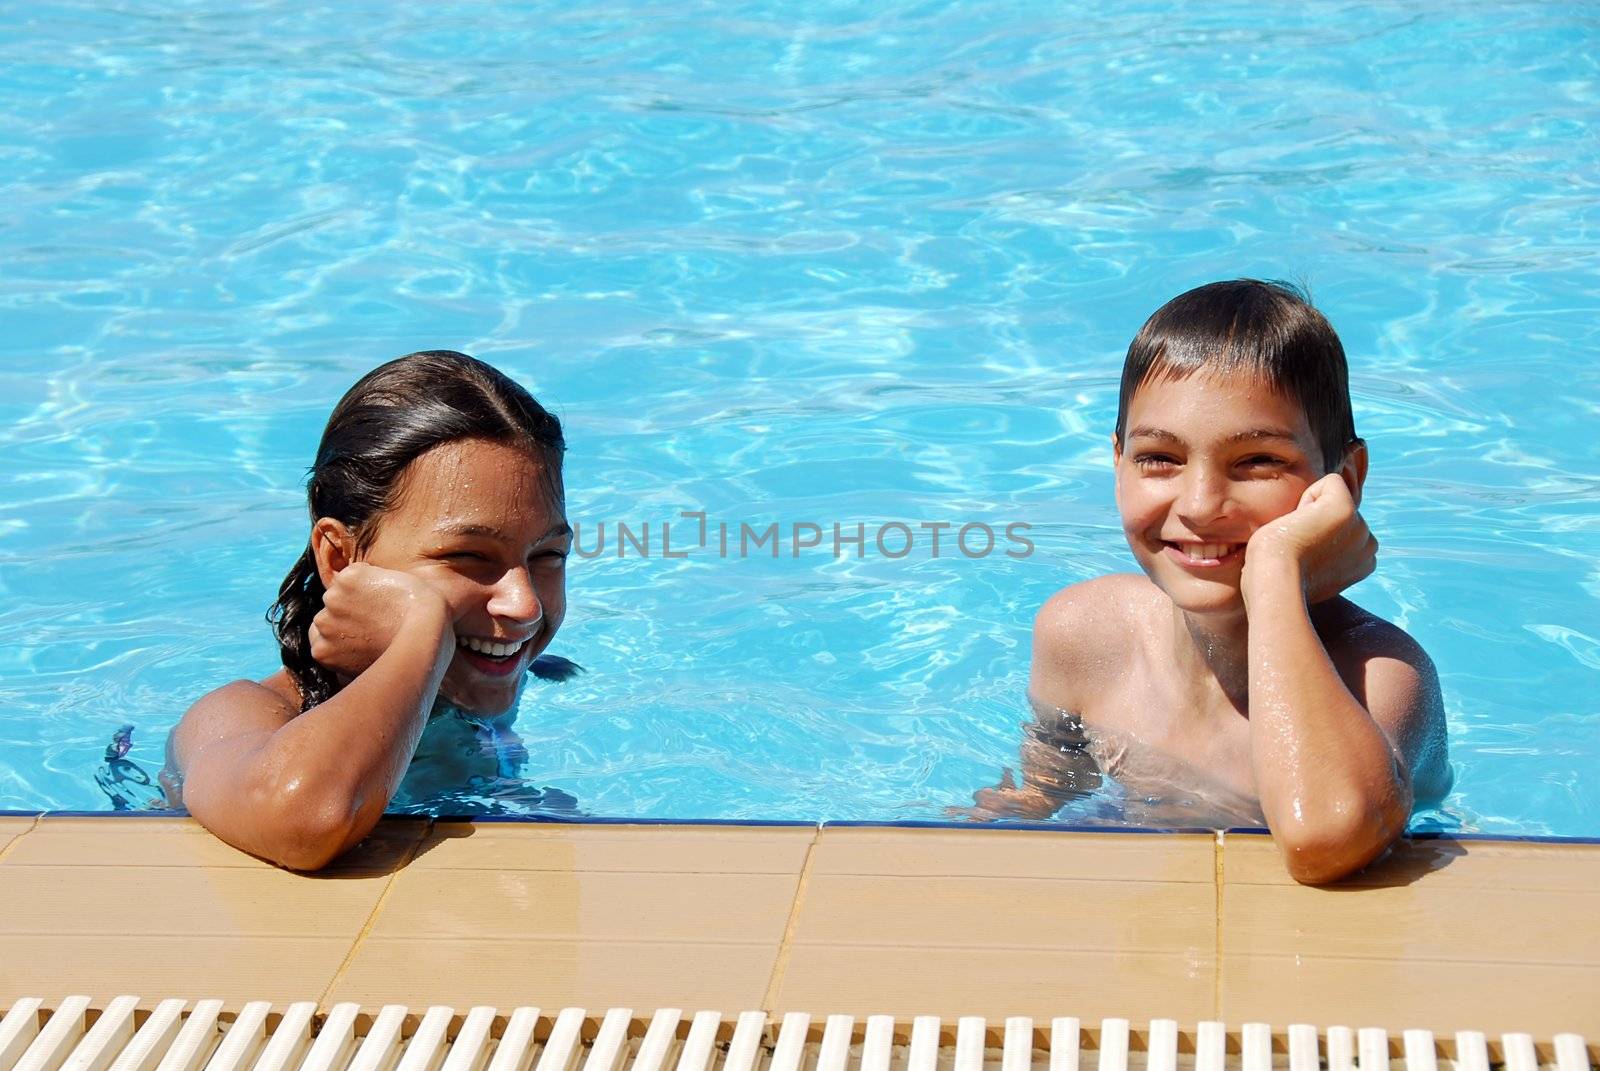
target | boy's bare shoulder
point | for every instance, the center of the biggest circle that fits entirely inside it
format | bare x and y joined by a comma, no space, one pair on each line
1356,638
1391,675
1081,634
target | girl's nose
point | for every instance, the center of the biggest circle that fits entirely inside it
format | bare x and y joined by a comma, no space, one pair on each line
515,598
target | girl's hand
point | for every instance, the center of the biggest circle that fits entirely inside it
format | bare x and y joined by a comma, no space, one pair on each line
1323,539
365,608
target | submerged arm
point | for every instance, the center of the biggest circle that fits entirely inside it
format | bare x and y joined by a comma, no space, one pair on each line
1056,764
1056,768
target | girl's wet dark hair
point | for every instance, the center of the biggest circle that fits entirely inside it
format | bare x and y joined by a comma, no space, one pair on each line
395,413
1245,327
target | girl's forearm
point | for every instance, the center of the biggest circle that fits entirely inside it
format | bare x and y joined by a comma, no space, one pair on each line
1332,789
336,766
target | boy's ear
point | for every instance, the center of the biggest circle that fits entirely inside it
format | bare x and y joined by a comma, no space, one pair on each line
1116,459
1354,469
333,546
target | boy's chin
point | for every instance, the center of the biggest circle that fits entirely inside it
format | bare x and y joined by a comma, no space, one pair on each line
1195,596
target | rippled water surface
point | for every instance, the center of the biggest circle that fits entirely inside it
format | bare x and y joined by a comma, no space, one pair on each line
776,262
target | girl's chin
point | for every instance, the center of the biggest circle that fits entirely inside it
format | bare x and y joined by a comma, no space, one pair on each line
481,701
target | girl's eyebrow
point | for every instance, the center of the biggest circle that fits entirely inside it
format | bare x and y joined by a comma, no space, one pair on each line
1252,435
555,531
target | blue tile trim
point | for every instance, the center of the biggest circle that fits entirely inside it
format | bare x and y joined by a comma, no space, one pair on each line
783,823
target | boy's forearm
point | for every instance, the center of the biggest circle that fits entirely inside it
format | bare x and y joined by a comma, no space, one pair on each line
1331,787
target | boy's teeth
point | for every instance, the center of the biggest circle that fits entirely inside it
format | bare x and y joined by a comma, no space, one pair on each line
489,647
1208,550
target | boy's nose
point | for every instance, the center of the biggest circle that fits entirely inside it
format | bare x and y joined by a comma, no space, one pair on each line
515,597
1204,498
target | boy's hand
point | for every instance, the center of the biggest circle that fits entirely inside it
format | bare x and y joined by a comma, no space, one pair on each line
364,609
1323,539
1005,800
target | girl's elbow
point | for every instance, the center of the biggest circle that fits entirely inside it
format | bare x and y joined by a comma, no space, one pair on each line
306,833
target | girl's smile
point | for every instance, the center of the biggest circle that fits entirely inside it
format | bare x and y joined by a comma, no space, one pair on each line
482,522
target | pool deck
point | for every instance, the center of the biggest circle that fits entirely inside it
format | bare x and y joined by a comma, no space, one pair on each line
1447,934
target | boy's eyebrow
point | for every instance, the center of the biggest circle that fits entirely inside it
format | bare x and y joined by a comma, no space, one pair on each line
1252,435
557,530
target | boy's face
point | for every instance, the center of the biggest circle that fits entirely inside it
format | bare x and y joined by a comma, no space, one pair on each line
1205,463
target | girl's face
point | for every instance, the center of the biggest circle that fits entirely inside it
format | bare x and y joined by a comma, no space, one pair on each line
1205,463
483,523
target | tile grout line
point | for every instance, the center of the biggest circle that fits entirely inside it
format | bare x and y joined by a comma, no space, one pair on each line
14,841
372,917
1216,958
781,963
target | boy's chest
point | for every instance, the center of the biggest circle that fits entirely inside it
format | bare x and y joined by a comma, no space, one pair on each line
1165,736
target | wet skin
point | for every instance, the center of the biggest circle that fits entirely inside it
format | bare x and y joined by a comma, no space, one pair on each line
473,545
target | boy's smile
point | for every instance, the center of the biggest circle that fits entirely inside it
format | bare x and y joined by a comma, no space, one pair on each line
1207,461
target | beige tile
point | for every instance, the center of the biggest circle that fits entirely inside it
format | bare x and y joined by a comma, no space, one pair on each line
183,842
154,967
1443,935
1039,982
1007,912
598,916
672,849
1444,862
992,922
580,904
1398,994
1411,922
113,901
506,972
1096,856
78,922
11,829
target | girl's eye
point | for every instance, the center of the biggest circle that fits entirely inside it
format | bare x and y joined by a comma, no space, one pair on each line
1153,461
1263,459
551,558
465,555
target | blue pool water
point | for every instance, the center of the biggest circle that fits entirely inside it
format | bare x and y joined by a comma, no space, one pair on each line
785,263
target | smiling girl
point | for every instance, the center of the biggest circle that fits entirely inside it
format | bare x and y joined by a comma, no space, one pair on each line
433,576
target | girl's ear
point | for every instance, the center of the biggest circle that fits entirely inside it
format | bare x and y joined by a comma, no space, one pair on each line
1354,469
333,547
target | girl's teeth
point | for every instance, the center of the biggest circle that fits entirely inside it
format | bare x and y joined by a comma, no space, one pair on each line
489,647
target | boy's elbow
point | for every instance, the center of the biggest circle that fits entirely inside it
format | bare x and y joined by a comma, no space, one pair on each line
1338,843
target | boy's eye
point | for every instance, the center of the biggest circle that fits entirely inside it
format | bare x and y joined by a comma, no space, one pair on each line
1154,461
465,555
1264,459
551,558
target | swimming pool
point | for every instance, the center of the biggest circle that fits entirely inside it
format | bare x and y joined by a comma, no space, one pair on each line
847,263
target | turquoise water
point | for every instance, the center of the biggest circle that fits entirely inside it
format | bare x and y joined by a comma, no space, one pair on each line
785,263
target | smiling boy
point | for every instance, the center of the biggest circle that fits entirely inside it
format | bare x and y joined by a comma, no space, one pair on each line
1238,476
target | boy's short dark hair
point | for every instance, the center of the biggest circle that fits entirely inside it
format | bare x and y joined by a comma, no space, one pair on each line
1245,326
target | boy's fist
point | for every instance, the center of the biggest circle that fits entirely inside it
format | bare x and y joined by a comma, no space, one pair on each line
1323,538
362,612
